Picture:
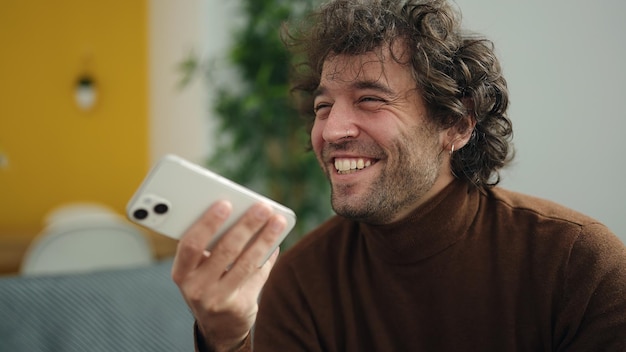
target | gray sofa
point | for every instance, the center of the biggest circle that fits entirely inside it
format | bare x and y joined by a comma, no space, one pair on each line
137,309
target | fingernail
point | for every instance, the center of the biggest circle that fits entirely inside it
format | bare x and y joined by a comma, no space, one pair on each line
276,225
222,209
261,211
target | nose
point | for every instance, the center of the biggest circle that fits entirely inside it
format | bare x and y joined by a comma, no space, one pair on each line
339,124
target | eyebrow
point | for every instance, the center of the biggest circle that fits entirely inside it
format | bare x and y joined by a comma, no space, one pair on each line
360,85
373,85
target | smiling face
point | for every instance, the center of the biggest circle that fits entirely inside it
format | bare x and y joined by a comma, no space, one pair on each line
373,138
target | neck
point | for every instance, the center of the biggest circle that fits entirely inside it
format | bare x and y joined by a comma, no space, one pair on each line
442,181
435,225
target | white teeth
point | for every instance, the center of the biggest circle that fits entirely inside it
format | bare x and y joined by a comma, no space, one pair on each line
345,165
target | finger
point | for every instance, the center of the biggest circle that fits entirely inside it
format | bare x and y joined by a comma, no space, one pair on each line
250,262
190,251
271,239
232,243
272,259
256,282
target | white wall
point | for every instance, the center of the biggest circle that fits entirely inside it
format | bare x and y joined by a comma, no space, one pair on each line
564,62
180,118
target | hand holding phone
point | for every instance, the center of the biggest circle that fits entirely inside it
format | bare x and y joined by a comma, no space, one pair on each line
176,192
224,302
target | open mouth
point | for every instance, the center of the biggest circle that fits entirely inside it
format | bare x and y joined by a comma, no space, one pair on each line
350,165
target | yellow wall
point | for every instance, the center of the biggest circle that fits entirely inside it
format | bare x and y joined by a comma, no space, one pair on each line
57,153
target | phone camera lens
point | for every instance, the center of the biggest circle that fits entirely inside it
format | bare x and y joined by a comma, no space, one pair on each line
140,214
161,208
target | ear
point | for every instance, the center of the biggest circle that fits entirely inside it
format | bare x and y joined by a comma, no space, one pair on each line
457,136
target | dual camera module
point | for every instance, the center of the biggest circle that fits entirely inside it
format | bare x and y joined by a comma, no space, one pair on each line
150,210
159,208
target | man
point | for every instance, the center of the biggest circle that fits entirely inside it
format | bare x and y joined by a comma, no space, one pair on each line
425,254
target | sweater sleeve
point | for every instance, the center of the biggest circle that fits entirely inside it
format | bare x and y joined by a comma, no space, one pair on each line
593,309
202,346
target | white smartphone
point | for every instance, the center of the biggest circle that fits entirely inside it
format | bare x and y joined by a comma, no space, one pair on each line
176,192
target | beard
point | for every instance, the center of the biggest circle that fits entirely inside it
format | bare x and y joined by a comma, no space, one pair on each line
402,183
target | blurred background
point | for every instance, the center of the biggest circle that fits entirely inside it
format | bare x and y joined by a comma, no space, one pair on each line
564,62
93,92
55,150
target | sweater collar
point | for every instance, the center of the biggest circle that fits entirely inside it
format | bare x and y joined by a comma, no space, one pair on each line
428,230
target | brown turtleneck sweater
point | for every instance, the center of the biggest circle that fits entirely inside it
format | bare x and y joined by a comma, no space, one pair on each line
467,271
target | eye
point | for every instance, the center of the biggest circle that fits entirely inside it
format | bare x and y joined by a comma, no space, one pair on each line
371,102
320,107
369,99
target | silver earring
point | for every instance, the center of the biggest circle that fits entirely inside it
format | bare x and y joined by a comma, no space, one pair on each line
452,149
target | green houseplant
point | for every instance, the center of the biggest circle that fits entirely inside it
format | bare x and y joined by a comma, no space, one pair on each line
261,142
